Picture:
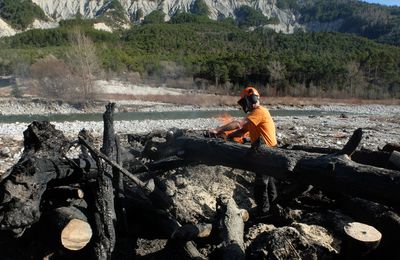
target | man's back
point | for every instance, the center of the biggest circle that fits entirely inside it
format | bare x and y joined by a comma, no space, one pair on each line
261,125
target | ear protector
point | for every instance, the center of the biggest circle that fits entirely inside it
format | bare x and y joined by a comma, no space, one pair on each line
247,102
250,97
253,98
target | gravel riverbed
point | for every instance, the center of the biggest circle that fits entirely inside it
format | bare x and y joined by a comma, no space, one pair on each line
380,123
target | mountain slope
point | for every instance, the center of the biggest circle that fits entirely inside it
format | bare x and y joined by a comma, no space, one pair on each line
377,22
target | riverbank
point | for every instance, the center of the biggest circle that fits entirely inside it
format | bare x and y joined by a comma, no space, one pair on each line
380,123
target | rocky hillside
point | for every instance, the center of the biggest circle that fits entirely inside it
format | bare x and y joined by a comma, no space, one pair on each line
288,16
128,11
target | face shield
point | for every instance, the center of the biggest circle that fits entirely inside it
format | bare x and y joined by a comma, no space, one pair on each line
245,104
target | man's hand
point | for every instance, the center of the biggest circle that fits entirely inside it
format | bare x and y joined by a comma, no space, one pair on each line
215,133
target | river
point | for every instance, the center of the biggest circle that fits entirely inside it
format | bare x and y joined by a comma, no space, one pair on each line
166,115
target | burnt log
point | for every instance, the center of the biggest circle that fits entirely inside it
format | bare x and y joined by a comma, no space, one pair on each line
230,228
391,147
68,227
159,199
146,221
394,160
64,193
337,172
367,157
104,209
22,188
190,232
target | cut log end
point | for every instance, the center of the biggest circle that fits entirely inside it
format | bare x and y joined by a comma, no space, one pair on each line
362,232
76,234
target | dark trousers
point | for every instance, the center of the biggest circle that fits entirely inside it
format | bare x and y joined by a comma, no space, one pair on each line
264,193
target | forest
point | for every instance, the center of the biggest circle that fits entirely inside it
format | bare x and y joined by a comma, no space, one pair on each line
224,54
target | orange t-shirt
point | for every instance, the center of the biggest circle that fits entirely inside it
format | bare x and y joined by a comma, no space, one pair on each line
261,125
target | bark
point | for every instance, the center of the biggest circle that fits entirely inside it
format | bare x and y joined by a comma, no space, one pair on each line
394,160
120,190
104,215
231,228
22,188
190,232
64,193
367,157
158,198
391,147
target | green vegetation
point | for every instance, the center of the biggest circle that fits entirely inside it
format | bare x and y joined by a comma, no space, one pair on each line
224,55
20,13
377,22
248,16
156,16
200,8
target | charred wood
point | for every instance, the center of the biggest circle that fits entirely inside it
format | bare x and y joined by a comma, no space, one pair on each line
391,147
394,160
104,209
335,173
64,193
157,196
367,157
41,162
190,232
230,229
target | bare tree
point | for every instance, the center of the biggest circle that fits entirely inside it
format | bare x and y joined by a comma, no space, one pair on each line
52,78
83,62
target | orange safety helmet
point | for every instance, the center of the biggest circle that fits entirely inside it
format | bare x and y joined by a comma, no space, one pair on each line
249,91
248,98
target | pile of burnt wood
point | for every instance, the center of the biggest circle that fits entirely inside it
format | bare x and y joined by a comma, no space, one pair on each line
97,206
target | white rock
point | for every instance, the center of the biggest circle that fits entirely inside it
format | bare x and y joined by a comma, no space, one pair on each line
6,29
67,9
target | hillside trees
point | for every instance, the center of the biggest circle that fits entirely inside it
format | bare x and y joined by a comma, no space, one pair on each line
220,53
156,16
200,8
20,13
248,16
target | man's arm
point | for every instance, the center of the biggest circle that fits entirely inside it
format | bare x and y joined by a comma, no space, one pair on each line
234,125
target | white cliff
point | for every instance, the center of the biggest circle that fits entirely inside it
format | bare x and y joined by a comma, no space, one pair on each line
67,9
6,29
57,10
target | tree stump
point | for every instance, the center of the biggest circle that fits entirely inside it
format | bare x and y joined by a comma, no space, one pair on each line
67,227
361,238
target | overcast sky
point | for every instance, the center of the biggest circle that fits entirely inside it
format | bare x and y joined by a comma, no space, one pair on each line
384,2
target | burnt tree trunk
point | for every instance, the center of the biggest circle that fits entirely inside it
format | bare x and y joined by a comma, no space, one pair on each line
21,189
335,172
104,214
394,160
373,158
157,197
231,229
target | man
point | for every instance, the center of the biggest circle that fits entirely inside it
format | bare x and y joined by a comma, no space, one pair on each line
261,128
